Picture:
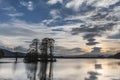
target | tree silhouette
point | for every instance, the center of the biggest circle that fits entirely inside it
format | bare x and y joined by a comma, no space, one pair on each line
43,50
32,54
33,47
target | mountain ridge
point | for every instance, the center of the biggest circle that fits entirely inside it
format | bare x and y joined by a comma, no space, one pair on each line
9,54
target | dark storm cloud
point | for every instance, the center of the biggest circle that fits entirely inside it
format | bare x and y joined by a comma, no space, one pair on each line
91,31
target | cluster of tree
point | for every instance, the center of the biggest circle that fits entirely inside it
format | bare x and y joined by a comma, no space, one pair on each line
36,46
40,49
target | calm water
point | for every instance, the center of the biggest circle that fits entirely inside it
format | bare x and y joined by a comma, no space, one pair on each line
67,69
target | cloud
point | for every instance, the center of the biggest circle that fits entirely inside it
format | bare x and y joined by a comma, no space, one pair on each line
96,50
7,11
92,42
99,16
97,28
59,50
58,29
15,30
8,8
55,14
89,21
76,51
52,2
16,49
90,38
75,4
104,3
90,32
86,11
89,5
106,15
28,4
91,35
20,49
16,14
115,36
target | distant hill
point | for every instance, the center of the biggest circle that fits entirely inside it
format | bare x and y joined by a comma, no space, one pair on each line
9,54
87,55
117,55
1,53
95,55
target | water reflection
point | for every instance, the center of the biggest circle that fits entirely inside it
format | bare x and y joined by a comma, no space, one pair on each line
78,69
93,75
39,71
31,69
15,67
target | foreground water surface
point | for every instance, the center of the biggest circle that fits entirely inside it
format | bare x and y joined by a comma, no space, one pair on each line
63,69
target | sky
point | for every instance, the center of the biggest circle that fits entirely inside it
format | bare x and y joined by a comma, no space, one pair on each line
76,25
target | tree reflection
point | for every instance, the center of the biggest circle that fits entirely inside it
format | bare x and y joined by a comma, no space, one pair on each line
39,71
14,67
31,69
46,70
